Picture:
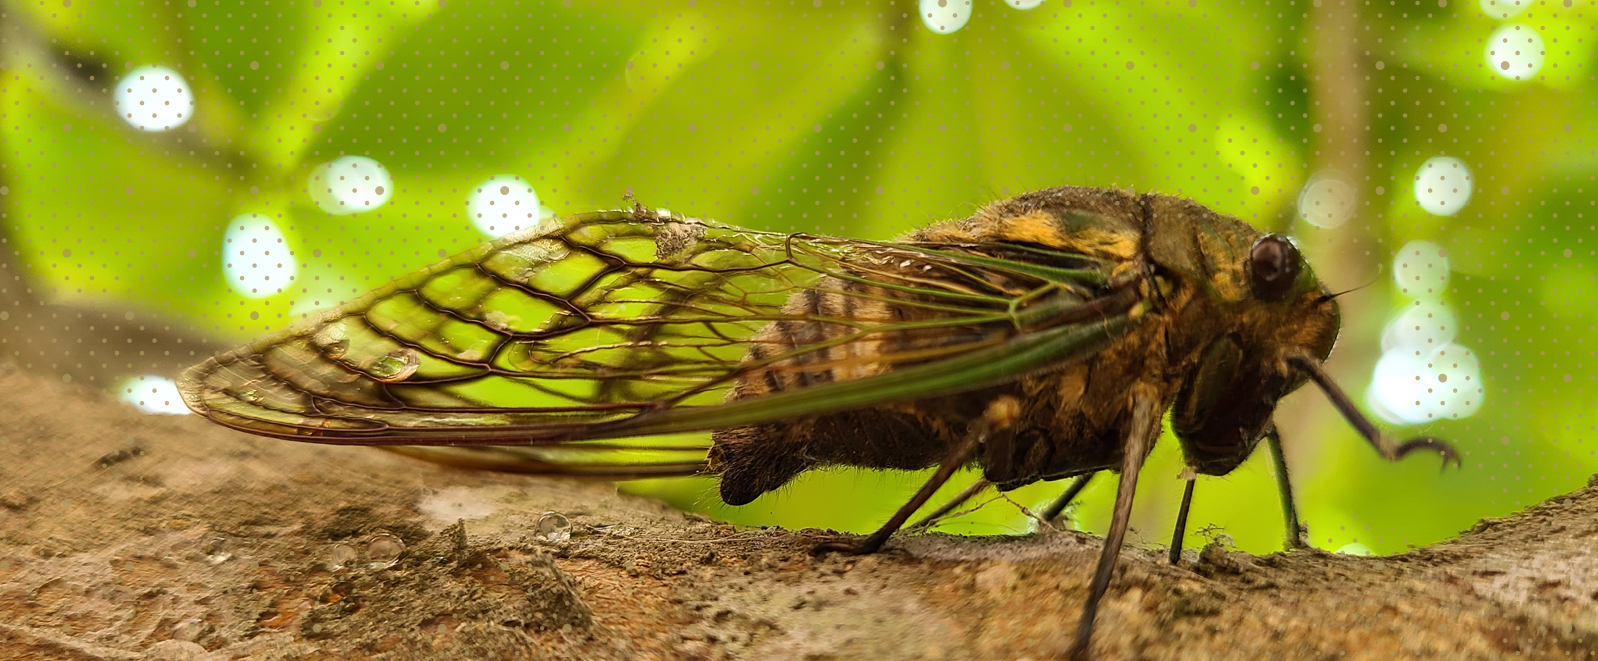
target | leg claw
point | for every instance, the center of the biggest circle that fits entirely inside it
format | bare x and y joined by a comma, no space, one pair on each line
1441,447
850,548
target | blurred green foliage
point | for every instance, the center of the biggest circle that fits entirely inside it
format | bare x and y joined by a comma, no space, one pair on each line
852,118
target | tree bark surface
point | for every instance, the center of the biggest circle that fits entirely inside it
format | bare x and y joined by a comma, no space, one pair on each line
131,536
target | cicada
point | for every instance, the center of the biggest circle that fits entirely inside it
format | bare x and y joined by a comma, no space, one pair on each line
1043,337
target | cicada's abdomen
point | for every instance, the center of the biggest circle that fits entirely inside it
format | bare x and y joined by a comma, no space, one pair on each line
840,330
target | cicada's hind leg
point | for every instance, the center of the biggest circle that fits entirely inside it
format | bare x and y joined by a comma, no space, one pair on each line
959,499
1297,534
1049,514
1140,435
999,417
1057,507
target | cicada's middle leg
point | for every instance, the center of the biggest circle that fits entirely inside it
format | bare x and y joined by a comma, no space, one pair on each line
999,418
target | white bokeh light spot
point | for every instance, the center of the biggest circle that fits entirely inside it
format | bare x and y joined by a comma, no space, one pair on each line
350,184
1023,5
1502,9
1443,185
1515,51
1326,201
945,16
1421,328
1458,391
256,261
1420,269
503,204
152,98
152,394
1398,387
1438,384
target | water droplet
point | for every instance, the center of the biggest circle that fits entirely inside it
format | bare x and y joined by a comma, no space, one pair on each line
340,556
332,340
395,366
554,527
215,551
189,629
383,550
1354,548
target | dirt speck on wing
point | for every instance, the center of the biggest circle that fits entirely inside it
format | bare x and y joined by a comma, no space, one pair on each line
131,536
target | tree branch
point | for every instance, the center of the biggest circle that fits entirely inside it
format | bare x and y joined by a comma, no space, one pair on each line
218,545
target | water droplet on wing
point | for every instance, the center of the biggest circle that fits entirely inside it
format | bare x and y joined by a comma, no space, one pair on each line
395,366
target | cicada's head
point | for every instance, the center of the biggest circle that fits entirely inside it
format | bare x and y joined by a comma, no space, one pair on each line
1296,311
1227,400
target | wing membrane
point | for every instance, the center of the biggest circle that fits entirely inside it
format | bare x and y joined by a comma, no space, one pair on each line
632,322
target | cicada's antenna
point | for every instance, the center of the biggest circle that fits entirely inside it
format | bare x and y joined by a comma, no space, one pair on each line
1373,281
1384,445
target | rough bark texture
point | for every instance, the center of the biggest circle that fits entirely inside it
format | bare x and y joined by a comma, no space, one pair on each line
127,536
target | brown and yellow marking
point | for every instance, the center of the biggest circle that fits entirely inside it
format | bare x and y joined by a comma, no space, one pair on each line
1225,280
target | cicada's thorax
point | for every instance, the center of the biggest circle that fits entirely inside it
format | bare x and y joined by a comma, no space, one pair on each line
1202,341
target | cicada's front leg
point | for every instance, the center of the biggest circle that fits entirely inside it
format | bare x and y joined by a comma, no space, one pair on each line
1297,533
1389,450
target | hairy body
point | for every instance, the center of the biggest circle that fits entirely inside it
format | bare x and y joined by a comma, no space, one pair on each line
1186,261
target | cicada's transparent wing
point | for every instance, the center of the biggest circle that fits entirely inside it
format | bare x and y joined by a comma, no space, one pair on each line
630,323
606,460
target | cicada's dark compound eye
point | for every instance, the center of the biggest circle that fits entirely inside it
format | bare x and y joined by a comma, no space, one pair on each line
1273,266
